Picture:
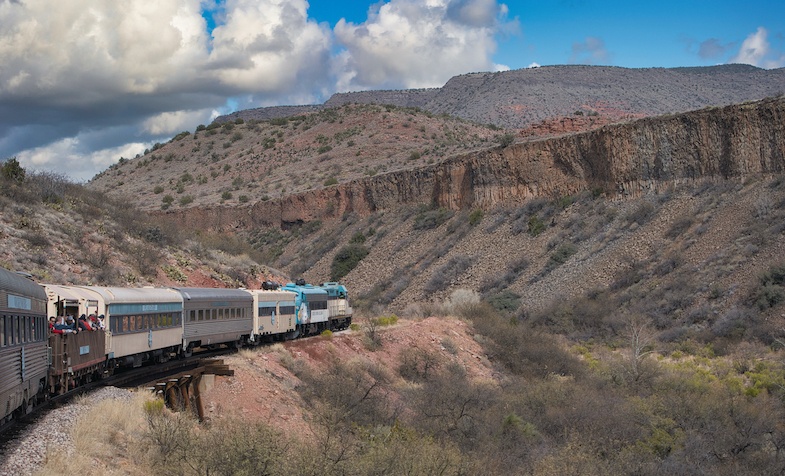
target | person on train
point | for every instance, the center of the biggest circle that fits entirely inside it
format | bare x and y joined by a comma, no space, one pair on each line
84,324
52,321
63,326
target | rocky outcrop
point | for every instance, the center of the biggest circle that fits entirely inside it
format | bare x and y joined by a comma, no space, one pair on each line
621,160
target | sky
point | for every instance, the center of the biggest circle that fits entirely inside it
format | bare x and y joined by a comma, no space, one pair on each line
86,82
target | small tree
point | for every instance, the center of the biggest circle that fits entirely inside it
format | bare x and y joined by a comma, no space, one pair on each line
12,171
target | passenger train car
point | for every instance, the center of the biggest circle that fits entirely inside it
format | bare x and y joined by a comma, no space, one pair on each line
274,315
216,316
24,359
142,325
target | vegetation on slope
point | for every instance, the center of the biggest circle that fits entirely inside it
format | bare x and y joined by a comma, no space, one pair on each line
62,232
240,162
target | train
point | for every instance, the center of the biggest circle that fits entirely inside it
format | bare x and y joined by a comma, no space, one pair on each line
142,326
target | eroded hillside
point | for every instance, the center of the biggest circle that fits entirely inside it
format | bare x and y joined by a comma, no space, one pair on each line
240,163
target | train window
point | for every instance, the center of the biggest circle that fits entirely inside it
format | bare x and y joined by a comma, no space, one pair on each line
2,331
233,313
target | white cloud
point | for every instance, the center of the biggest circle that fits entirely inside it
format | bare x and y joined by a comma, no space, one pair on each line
269,46
410,43
83,82
591,51
757,51
67,157
171,123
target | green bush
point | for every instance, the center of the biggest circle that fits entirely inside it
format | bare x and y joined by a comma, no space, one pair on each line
475,217
771,292
12,171
506,139
505,301
346,260
535,225
429,219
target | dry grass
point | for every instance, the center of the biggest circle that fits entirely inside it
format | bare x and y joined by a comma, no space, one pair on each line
106,440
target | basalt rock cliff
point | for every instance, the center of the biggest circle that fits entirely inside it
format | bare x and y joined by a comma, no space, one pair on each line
619,160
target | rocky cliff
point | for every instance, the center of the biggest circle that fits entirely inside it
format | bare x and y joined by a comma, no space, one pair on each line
620,160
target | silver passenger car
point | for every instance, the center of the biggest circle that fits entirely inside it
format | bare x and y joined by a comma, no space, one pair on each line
24,359
216,316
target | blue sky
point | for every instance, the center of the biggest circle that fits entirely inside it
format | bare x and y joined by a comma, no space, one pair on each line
85,82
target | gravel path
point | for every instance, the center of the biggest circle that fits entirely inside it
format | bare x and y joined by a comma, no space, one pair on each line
26,454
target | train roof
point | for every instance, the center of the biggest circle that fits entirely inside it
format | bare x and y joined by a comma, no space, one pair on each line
135,295
18,284
199,294
273,294
70,293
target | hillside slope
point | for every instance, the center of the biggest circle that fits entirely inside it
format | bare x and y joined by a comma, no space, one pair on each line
525,97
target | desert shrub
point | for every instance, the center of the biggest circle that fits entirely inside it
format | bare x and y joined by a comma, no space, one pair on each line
387,320
641,214
346,259
460,300
417,365
679,226
447,273
505,301
429,219
506,139
51,187
175,274
146,259
562,254
475,217
12,171
358,238
36,238
772,290
524,350
535,225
